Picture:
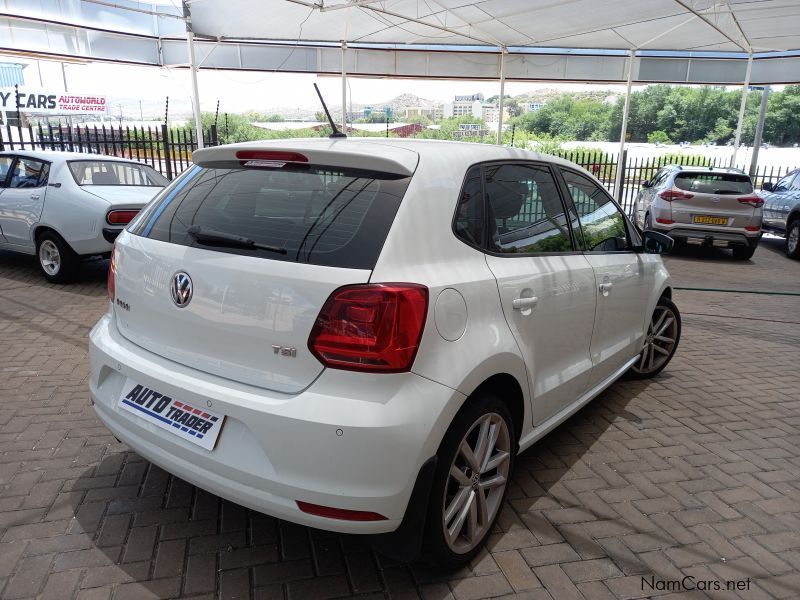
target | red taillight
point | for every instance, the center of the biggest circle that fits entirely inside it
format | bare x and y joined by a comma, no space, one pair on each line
111,282
342,514
673,194
753,201
664,221
121,217
373,328
753,228
272,155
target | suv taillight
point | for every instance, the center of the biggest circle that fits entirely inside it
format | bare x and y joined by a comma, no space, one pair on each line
112,275
374,327
673,194
753,201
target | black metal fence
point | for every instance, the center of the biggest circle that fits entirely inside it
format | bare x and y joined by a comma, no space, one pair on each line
169,150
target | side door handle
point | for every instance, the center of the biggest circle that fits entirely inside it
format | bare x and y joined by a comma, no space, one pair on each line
34,196
605,288
523,303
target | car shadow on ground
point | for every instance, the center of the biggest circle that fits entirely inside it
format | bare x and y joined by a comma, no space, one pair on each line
23,268
154,526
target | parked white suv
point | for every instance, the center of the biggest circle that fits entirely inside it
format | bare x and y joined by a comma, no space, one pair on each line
706,206
360,335
65,206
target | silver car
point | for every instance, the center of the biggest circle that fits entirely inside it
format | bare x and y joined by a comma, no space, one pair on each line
704,206
64,206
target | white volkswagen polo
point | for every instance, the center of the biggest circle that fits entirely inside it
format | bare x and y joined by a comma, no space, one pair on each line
359,335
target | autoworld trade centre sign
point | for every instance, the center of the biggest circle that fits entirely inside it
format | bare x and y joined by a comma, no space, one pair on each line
50,102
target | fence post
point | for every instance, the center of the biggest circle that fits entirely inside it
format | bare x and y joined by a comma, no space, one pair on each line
213,135
622,163
167,156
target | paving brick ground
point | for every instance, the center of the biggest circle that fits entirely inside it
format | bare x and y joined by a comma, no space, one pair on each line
695,474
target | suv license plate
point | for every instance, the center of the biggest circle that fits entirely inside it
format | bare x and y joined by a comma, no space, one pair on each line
704,220
198,426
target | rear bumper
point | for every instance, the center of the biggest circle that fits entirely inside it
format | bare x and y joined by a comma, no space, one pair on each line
711,237
348,441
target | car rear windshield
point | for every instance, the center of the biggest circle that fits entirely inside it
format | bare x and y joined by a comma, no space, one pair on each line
112,172
317,215
714,183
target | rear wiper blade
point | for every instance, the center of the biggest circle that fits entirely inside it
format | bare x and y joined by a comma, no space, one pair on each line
205,235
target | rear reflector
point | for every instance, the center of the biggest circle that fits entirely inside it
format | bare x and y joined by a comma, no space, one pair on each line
121,217
374,328
753,228
673,194
664,221
342,514
754,201
272,155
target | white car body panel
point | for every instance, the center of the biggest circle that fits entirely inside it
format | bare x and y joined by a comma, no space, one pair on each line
76,213
347,439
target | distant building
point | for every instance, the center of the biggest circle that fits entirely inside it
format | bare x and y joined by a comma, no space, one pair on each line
416,112
491,113
464,108
470,98
11,75
532,106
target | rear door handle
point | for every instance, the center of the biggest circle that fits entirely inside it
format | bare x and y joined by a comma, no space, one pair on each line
34,196
605,288
523,303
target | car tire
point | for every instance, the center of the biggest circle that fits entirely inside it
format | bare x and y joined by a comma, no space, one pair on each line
660,343
793,239
57,261
463,508
743,252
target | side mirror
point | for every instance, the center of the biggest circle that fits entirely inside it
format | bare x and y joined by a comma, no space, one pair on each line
768,186
647,184
654,242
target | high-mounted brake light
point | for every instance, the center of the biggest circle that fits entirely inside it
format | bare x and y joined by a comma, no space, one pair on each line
272,155
375,328
111,281
673,194
121,217
753,201
343,514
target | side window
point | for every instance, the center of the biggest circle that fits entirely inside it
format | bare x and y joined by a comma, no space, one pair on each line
469,214
796,183
28,173
784,183
525,213
602,223
5,166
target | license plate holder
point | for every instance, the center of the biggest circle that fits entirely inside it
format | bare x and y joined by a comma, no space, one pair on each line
198,426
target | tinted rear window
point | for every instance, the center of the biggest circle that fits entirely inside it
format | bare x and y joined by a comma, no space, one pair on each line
714,183
320,215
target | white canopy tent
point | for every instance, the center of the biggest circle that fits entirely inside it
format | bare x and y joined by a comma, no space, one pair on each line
676,41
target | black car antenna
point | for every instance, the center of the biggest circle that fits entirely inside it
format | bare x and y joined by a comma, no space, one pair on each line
336,133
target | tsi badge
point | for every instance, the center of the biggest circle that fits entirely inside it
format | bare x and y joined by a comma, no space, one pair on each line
284,351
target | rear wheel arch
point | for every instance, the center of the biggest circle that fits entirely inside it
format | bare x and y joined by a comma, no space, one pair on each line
509,391
793,216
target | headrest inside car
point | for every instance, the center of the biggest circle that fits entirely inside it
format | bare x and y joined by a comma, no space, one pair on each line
506,197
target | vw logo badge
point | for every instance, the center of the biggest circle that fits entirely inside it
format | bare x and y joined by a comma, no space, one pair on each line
181,289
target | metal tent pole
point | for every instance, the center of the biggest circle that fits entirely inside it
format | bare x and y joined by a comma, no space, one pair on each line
742,106
624,129
344,87
198,124
500,105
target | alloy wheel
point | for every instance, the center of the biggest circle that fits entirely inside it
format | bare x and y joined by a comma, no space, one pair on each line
476,483
662,335
793,240
49,257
